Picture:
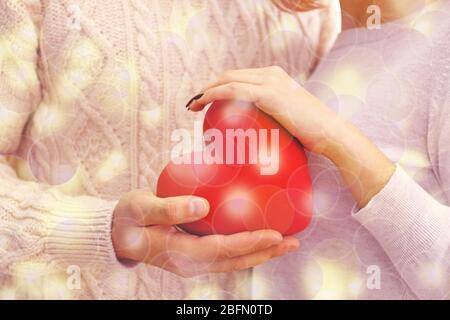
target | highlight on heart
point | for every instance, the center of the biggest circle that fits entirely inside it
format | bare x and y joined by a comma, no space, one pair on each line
259,146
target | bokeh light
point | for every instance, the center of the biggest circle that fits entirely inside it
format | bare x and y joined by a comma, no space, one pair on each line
151,118
336,283
114,165
49,119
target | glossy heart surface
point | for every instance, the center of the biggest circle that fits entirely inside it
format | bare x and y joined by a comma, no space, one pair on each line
251,170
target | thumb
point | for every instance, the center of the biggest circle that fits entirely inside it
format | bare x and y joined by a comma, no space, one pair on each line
172,210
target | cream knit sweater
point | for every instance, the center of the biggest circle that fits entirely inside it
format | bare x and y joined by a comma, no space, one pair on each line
89,93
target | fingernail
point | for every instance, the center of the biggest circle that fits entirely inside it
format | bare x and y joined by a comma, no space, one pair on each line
197,207
194,98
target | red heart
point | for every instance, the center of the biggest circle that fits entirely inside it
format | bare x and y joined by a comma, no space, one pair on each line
247,195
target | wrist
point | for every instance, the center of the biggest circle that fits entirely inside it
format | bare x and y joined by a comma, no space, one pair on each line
120,229
318,127
125,240
334,140
363,166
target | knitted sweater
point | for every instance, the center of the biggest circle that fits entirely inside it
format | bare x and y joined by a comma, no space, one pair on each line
89,94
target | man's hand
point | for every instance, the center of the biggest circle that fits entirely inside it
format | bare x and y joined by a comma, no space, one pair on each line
143,230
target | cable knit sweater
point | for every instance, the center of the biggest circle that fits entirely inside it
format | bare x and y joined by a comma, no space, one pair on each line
89,93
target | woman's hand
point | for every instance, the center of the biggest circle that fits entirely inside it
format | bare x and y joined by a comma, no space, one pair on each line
143,230
364,168
273,91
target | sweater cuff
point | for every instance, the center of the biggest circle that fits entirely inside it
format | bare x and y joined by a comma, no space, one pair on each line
405,219
79,231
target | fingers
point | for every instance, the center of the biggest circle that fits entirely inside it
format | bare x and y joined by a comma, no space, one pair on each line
227,246
250,76
186,268
213,247
147,209
243,84
187,255
232,90
256,76
251,260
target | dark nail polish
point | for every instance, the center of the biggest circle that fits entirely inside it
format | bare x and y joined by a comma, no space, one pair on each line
194,98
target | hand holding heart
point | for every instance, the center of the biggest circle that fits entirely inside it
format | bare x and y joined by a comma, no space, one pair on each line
363,167
273,91
241,198
143,231
251,170
143,223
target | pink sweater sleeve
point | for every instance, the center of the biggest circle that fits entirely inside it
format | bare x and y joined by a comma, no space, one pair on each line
414,230
36,220
409,223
